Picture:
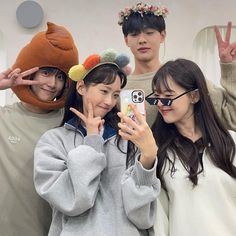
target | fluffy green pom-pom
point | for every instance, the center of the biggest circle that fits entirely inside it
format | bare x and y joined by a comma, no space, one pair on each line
108,55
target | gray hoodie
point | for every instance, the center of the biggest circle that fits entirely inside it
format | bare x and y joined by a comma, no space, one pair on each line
85,180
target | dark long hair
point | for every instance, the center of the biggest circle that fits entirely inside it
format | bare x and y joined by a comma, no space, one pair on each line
216,139
136,23
106,74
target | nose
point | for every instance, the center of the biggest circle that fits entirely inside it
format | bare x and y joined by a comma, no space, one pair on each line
159,103
51,81
142,38
108,100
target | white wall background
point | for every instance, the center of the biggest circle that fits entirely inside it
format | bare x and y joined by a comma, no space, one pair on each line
93,23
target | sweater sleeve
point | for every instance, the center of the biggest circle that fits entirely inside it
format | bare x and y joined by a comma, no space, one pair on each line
140,189
224,98
68,181
161,226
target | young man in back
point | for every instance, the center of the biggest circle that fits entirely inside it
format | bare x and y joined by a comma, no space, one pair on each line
144,31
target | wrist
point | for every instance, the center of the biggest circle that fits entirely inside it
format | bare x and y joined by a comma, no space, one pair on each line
147,161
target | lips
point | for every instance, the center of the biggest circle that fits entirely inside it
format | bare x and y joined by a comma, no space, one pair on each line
164,112
48,91
105,108
143,50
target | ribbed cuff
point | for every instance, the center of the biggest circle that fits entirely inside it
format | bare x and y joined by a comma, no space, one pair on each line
228,69
143,176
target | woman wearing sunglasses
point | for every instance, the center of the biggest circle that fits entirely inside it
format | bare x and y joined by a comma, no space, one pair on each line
196,156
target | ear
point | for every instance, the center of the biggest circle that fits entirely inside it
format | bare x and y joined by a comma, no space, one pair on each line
126,41
80,87
195,97
163,36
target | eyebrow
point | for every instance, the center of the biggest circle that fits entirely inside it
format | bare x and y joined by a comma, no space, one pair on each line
109,87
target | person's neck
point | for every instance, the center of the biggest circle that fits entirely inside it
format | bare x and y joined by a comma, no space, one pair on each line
34,109
142,67
189,129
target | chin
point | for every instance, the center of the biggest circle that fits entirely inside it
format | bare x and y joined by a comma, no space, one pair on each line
169,121
46,98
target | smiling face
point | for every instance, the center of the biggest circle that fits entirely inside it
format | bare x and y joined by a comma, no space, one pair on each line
102,96
181,109
52,82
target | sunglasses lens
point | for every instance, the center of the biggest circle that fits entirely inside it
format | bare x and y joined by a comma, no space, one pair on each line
151,101
166,101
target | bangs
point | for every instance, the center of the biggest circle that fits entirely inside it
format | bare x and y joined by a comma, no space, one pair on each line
137,23
160,83
105,74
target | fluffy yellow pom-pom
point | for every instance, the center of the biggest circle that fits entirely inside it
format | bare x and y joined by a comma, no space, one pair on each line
77,72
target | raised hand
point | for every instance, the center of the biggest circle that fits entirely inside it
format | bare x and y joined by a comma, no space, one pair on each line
227,50
140,134
93,124
10,78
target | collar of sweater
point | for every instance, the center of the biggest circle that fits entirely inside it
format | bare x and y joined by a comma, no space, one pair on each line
73,123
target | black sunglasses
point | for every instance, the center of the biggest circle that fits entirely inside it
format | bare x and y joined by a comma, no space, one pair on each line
164,101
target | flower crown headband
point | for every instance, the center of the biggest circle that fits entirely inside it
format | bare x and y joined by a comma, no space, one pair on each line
142,9
79,72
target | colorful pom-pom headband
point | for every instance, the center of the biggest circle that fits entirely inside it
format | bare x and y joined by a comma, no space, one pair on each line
78,72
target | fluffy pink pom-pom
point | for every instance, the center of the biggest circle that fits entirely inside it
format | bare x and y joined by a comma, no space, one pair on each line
127,69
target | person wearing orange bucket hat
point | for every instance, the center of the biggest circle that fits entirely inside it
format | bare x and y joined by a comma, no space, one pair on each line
100,183
39,79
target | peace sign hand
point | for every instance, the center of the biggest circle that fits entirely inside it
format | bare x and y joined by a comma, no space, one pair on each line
140,134
10,78
92,124
227,50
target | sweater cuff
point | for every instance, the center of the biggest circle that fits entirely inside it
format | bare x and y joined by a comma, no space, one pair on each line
144,176
95,141
228,69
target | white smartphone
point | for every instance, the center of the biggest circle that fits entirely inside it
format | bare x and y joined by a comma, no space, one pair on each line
132,96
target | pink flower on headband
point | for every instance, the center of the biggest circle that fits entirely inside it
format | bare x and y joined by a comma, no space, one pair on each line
142,9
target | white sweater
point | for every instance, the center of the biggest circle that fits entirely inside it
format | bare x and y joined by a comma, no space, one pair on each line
209,209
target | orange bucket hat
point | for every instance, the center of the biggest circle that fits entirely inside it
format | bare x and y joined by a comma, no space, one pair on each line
52,48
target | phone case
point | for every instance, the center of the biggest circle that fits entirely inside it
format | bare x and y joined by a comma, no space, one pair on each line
132,96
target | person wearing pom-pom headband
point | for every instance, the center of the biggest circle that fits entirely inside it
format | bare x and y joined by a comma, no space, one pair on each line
144,30
99,183
39,79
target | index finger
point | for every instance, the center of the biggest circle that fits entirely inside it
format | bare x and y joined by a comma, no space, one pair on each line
29,72
228,32
218,35
30,82
90,110
79,114
140,117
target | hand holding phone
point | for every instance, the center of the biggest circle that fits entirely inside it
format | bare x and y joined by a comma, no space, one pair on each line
132,96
